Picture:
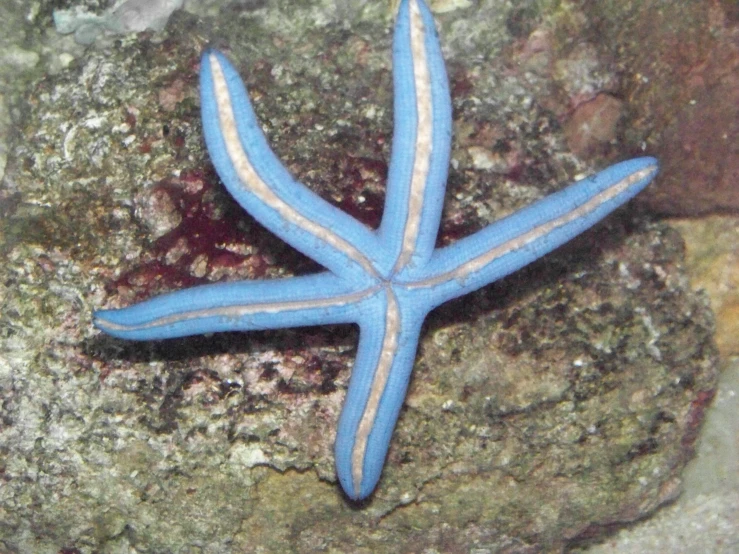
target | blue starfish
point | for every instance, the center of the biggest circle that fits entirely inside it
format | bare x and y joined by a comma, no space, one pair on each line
385,280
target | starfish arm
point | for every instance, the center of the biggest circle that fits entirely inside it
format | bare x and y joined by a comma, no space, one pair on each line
262,185
515,241
376,391
239,306
421,140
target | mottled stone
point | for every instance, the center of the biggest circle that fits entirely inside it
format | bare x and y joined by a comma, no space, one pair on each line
593,125
701,149
683,58
545,409
712,259
120,18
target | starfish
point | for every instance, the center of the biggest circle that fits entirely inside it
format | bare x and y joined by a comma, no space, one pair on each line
385,280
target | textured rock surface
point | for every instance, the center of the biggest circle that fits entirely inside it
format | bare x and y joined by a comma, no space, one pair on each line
545,409
712,256
687,59
705,517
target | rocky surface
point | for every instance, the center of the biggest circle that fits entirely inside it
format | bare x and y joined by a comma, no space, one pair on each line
547,409
687,59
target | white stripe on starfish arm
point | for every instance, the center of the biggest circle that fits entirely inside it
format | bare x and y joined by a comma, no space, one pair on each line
244,306
379,381
259,174
421,139
512,242
377,389
424,130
